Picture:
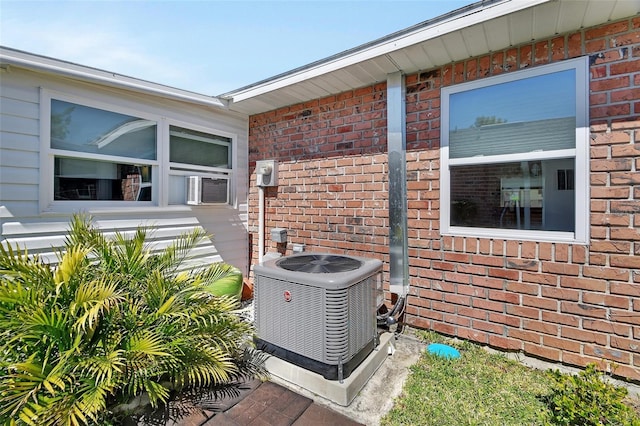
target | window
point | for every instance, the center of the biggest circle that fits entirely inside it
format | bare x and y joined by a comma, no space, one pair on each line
515,155
198,148
206,161
100,155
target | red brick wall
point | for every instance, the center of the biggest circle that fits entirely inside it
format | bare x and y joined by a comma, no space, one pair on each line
562,302
332,173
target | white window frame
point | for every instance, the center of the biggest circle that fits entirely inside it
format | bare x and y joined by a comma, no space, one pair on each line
186,170
580,154
161,167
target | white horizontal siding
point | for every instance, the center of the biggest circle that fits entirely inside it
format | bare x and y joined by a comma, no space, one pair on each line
19,107
18,175
228,231
18,192
12,158
22,142
19,145
16,124
46,238
14,87
21,221
14,209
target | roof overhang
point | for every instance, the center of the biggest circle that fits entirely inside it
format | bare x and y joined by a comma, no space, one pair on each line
15,58
473,30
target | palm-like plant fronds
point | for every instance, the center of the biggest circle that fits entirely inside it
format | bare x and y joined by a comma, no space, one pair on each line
110,321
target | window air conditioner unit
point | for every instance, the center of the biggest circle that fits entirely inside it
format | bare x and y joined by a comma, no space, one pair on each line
204,190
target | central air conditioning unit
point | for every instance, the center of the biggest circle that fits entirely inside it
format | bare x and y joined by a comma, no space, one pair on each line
318,311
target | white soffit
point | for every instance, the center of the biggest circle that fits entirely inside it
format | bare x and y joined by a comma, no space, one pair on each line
437,52
384,64
497,33
475,40
544,21
521,27
455,45
406,58
473,30
329,85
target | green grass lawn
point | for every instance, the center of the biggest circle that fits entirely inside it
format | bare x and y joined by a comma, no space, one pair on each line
479,388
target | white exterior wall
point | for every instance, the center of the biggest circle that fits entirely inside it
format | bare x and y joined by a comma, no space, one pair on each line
22,219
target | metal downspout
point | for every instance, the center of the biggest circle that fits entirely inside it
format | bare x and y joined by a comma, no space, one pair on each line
396,145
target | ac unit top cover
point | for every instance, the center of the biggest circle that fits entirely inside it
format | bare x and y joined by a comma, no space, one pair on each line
326,270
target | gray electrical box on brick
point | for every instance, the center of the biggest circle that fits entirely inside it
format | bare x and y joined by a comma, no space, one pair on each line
267,173
279,235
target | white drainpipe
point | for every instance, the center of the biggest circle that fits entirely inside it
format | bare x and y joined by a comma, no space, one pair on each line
260,223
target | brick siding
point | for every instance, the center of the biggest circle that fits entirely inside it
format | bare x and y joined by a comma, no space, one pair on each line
567,303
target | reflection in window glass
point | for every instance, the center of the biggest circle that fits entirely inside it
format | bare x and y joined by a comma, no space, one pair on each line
530,99
514,195
532,114
80,179
198,148
81,128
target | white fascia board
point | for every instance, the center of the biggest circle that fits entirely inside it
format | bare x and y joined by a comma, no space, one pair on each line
41,63
439,29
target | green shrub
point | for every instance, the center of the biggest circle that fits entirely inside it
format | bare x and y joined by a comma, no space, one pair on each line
110,322
586,399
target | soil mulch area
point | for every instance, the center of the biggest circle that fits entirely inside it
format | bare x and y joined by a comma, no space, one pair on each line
194,408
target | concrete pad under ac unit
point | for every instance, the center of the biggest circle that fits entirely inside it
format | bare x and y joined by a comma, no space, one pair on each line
340,393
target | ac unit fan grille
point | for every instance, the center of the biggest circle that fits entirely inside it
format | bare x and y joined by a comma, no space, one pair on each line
319,263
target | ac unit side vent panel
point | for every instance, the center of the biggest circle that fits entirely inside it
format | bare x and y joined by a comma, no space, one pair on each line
337,326
301,337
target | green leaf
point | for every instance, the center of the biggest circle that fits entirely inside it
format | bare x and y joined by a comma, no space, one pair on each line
229,285
147,343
